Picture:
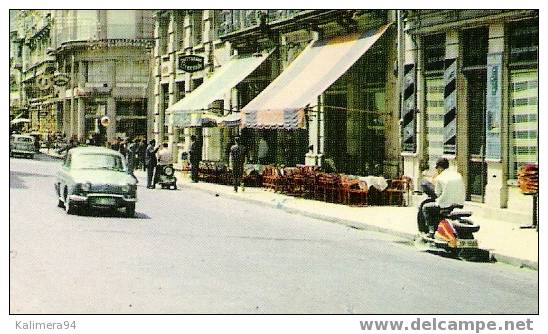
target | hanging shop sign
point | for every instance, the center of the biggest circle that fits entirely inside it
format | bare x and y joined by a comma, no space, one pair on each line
493,115
60,79
191,63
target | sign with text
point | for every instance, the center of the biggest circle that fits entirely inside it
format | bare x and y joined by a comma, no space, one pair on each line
493,114
191,63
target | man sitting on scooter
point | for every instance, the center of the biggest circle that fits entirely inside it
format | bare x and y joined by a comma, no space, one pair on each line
164,156
449,188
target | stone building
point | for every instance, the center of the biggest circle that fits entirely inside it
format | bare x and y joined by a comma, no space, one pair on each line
350,114
472,79
105,55
30,67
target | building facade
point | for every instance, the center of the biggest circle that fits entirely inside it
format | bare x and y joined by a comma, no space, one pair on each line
353,121
476,98
32,93
105,54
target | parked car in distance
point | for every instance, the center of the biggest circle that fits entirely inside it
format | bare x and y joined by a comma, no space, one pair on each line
95,178
22,145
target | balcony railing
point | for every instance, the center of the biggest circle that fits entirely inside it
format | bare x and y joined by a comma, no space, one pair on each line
236,20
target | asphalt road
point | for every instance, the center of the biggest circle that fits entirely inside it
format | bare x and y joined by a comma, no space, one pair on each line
191,252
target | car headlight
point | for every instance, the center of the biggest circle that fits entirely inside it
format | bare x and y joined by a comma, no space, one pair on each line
126,188
168,170
86,186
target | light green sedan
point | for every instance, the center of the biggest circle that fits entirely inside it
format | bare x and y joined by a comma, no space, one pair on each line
95,177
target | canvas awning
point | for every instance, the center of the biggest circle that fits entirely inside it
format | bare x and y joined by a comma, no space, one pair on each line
281,105
188,111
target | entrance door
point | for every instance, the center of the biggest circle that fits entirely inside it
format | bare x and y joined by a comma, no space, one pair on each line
477,168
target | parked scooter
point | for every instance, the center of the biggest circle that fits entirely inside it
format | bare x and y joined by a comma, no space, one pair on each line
455,232
166,178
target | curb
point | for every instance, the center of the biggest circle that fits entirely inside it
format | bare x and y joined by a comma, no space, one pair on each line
493,256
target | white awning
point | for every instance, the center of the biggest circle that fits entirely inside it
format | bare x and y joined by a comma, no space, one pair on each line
222,81
281,104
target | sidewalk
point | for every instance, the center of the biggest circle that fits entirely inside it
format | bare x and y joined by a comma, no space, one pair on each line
505,241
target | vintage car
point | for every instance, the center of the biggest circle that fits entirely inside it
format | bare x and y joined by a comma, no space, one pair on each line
22,145
95,177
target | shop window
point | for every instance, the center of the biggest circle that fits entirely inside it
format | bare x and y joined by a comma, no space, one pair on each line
475,46
132,128
524,119
434,52
434,118
523,40
131,108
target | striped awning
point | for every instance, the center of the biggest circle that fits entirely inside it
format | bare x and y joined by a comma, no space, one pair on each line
188,111
281,105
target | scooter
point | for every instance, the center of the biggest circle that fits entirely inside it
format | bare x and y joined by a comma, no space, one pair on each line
454,235
166,177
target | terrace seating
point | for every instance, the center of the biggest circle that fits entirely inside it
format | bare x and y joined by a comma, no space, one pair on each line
397,189
351,187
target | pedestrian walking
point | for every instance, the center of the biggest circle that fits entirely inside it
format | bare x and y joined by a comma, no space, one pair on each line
237,155
141,152
195,155
151,162
131,157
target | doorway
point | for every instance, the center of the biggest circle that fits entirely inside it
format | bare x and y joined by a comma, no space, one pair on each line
477,167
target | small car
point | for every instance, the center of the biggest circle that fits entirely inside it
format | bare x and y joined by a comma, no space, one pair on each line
95,177
22,145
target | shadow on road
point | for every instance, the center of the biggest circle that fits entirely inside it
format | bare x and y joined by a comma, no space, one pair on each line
16,178
112,214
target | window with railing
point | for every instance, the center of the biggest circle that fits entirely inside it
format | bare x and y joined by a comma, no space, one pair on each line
98,72
163,34
131,71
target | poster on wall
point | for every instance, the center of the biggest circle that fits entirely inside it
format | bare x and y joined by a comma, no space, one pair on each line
493,105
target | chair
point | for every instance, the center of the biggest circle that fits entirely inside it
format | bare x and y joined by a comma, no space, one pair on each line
353,187
396,190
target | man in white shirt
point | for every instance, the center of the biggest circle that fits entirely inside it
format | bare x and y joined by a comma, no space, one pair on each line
164,156
450,190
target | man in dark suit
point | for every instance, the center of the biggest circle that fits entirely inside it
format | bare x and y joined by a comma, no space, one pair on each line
151,161
195,155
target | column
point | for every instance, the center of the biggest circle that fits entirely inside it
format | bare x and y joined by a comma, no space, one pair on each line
81,123
411,63
496,190
111,113
455,136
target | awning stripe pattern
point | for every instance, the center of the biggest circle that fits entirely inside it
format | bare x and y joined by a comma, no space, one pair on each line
214,88
317,67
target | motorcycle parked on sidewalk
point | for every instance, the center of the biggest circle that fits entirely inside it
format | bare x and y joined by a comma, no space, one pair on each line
166,177
454,235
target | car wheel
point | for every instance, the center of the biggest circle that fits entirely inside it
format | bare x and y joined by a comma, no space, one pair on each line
60,203
130,210
70,209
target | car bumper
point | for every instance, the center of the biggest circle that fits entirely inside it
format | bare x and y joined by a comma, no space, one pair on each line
16,151
102,200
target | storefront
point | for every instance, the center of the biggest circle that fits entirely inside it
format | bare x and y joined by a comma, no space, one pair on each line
477,84
338,93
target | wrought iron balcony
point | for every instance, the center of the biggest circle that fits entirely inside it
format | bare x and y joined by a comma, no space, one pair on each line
238,20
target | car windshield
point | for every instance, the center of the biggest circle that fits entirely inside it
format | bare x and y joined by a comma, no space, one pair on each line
98,161
24,139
